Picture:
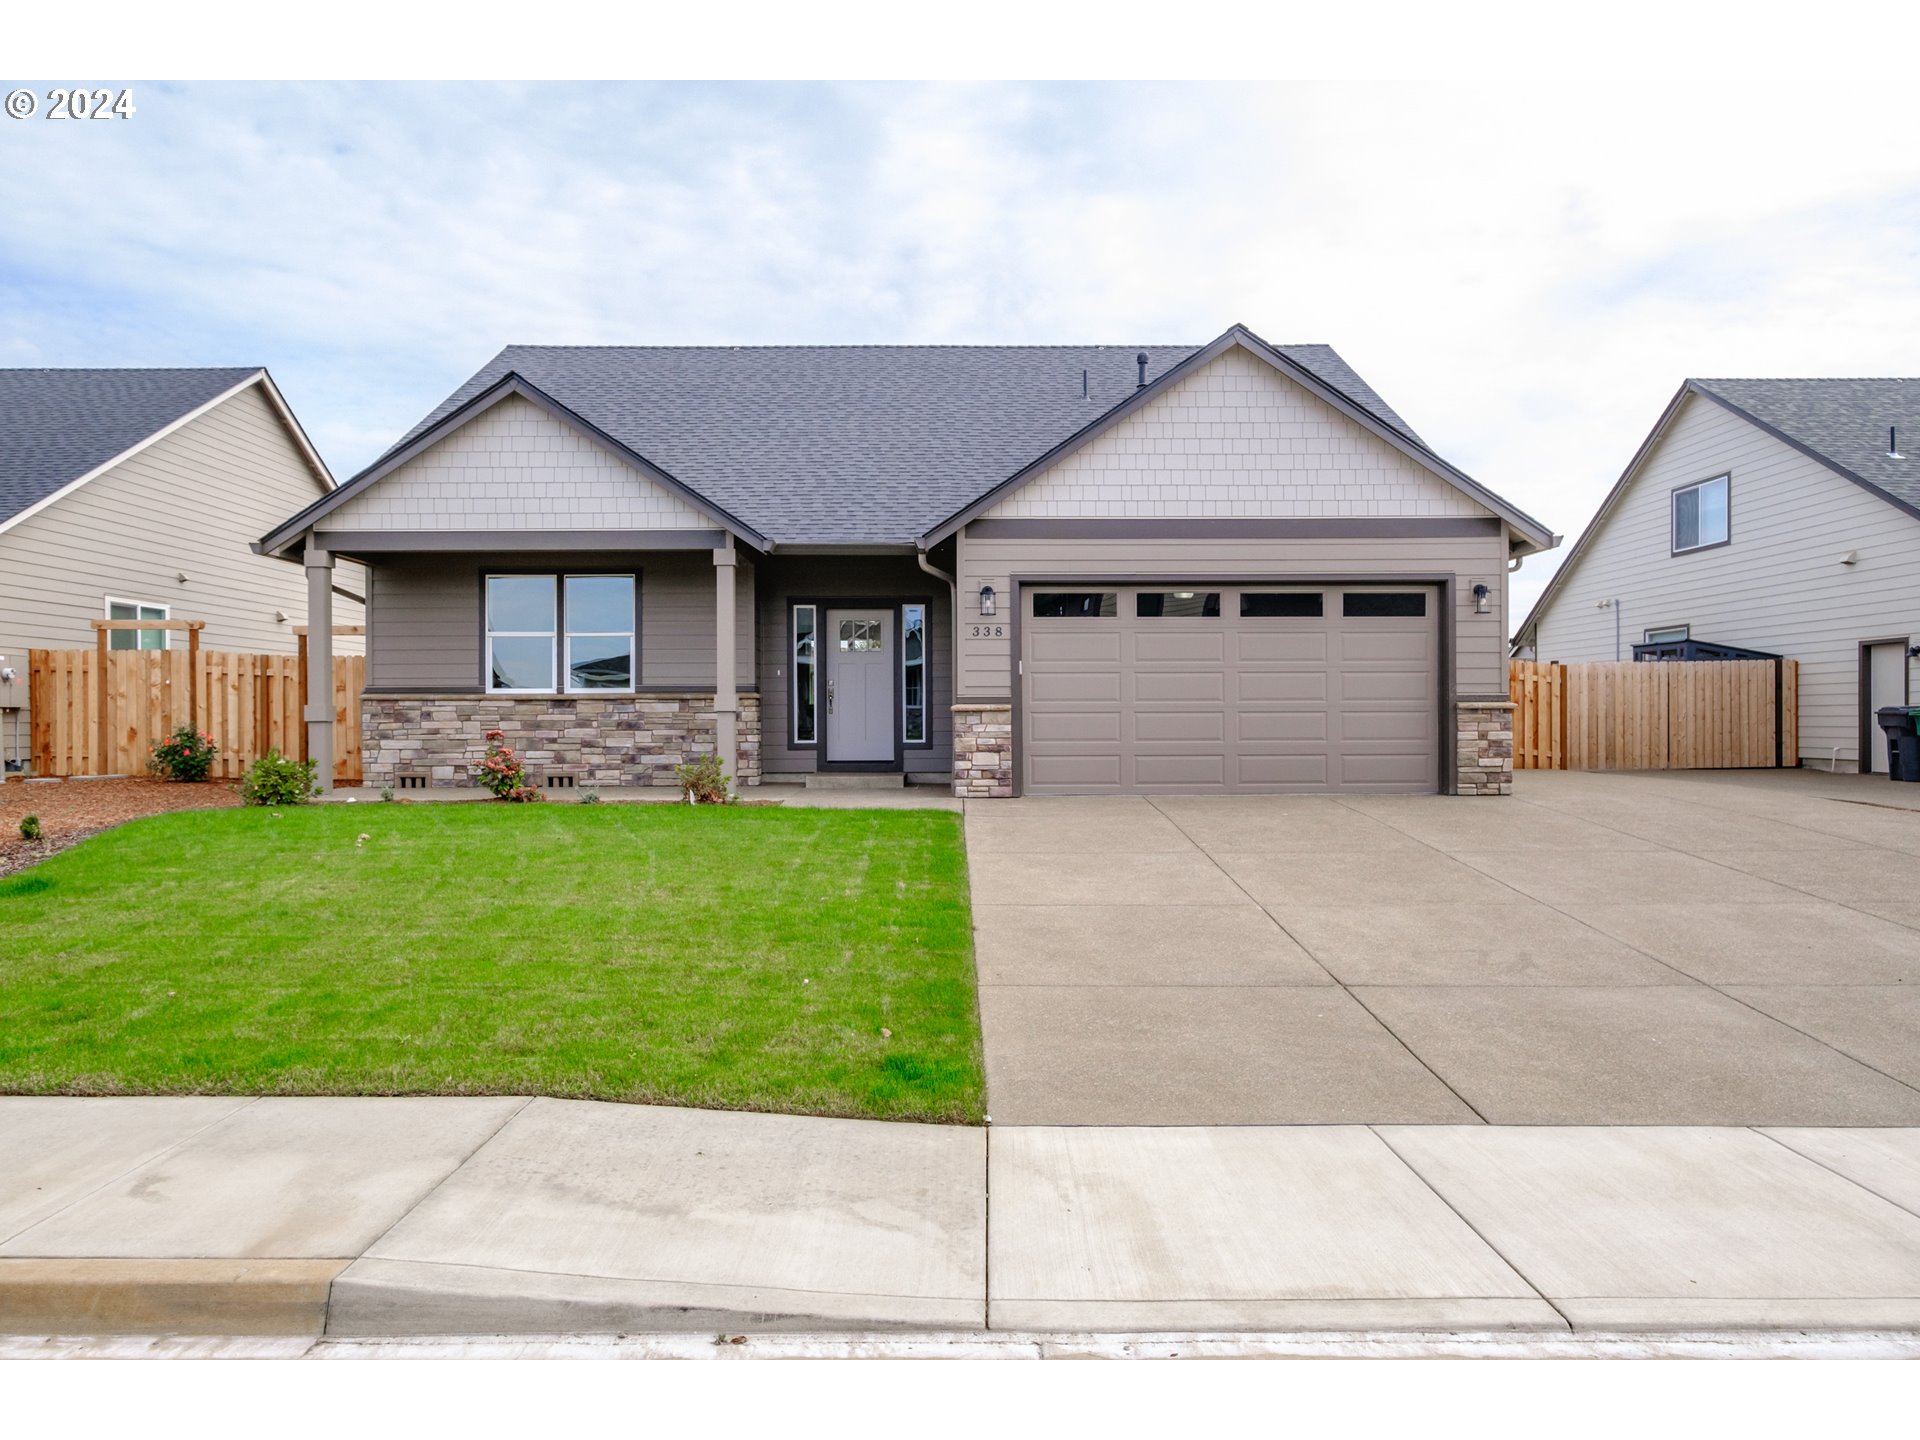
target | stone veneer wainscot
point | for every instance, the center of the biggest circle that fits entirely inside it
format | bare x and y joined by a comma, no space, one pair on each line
612,740
1483,748
983,752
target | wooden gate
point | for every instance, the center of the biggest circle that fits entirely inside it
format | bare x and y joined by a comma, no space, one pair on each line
1656,715
248,703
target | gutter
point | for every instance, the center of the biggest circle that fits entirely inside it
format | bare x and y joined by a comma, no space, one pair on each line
953,610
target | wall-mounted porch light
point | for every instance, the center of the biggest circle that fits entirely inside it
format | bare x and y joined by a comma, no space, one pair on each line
1482,599
986,599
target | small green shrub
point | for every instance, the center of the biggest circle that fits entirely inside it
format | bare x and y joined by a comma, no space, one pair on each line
30,828
187,755
504,773
386,794
273,779
589,797
703,782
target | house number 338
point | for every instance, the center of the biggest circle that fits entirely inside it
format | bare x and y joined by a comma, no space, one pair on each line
984,632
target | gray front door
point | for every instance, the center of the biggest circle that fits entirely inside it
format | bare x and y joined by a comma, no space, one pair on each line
859,646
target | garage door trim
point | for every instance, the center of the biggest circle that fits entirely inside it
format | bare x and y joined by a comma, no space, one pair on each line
1448,620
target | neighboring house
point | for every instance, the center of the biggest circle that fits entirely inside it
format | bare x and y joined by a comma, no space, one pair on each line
1030,569
1772,515
135,495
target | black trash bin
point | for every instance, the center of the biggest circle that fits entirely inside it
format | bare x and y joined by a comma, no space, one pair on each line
1903,741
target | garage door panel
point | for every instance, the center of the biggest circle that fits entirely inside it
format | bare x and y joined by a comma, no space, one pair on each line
1191,772
1277,704
1092,643
1076,687
1100,726
1257,725
1184,648
1257,645
1150,725
1260,687
1188,685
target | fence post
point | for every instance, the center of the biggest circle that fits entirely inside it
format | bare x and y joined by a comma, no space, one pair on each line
193,677
100,689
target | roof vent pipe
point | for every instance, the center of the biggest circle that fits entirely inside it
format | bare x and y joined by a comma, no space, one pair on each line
1141,361
1893,449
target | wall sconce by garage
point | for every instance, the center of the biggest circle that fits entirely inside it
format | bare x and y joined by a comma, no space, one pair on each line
986,599
1482,599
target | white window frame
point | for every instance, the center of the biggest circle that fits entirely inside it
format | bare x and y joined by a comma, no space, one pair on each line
926,673
166,613
631,634
1665,634
1674,546
551,636
793,659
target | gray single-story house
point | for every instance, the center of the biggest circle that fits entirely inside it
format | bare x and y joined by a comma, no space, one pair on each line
1013,569
1780,516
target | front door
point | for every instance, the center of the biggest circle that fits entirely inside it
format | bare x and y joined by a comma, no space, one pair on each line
860,685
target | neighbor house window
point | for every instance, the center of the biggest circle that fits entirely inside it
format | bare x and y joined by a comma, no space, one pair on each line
136,639
913,674
805,660
599,617
1700,515
1668,635
546,629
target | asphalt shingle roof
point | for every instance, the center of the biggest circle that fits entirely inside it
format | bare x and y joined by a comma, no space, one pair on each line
1843,421
853,444
56,425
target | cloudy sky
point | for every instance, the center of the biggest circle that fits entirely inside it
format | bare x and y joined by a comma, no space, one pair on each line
1526,267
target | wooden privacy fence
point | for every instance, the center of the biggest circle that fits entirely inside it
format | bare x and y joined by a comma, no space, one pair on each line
249,704
1655,715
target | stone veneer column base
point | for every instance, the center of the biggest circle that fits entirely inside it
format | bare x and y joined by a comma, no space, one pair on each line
1483,747
595,740
983,752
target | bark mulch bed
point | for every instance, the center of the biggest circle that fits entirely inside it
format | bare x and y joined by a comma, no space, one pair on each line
71,810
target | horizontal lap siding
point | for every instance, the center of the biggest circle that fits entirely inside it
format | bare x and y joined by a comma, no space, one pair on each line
427,617
1480,656
852,577
1779,586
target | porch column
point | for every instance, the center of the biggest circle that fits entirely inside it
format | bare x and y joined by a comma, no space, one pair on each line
319,713
726,699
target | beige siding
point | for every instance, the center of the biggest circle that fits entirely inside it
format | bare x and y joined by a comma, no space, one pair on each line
1236,438
784,579
1779,586
427,617
516,467
986,645
192,502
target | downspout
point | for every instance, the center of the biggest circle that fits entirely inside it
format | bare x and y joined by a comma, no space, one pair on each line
953,610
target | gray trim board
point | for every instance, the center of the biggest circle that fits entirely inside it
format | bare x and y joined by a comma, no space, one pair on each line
1341,528
1239,336
509,385
370,542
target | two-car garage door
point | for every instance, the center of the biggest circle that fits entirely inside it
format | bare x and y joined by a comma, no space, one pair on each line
1256,688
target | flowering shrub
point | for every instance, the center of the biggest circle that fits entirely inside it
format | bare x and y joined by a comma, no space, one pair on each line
187,755
503,772
704,782
275,780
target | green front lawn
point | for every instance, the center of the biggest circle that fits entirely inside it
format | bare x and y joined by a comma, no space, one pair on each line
740,958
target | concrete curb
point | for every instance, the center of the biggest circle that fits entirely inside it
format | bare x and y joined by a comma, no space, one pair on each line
165,1297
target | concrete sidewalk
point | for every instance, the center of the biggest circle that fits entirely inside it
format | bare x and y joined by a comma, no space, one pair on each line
358,1218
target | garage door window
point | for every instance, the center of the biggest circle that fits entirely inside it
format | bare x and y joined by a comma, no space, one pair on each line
1373,604
1177,604
1289,605
1075,604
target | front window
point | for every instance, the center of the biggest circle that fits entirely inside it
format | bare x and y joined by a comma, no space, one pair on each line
804,663
1700,515
913,672
136,639
537,623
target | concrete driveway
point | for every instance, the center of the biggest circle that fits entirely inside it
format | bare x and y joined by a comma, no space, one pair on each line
1726,948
